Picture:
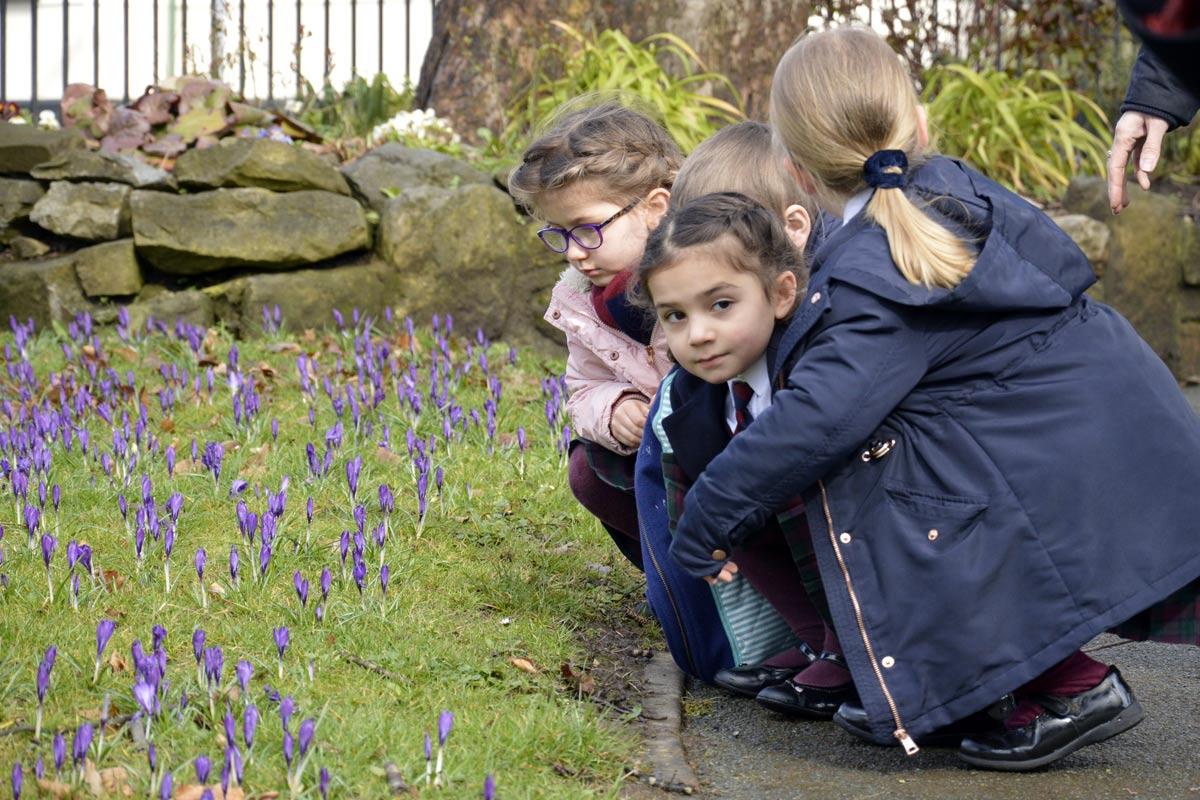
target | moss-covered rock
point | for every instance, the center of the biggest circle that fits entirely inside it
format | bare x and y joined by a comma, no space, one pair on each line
23,147
109,269
92,211
194,234
258,163
88,165
1153,251
464,250
44,291
392,168
17,198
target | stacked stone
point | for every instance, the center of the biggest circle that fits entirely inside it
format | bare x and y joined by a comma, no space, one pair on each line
253,223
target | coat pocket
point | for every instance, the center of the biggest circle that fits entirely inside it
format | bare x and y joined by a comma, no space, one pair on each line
934,521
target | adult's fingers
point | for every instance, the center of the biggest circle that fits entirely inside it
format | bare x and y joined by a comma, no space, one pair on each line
1151,149
1129,128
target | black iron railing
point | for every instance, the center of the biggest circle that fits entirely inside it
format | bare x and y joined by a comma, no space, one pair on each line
221,38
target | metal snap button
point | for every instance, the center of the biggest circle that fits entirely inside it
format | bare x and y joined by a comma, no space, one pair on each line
888,662
613,356
816,298
557,314
878,449
719,555
845,538
933,534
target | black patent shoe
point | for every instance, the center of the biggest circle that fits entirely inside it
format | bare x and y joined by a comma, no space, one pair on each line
1067,724
749,681
810,702
853,719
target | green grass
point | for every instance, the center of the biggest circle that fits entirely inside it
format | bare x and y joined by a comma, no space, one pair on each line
504,572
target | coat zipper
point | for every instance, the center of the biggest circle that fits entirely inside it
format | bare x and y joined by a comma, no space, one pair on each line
674,608
906,741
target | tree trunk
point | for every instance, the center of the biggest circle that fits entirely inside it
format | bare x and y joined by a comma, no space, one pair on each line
482,51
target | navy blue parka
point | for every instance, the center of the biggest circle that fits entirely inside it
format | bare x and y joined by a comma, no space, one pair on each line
994,473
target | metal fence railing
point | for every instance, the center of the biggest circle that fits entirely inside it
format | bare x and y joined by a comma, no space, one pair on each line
268,49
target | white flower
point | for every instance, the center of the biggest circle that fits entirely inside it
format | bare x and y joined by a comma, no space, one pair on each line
17,121
293,106
48,121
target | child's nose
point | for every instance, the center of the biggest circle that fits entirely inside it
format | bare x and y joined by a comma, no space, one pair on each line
699,332
575,252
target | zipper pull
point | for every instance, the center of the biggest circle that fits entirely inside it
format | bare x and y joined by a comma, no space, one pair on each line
906,741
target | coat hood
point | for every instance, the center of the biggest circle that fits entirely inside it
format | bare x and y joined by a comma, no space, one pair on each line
1025,261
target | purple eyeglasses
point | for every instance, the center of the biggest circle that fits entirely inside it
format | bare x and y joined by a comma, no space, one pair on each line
588,235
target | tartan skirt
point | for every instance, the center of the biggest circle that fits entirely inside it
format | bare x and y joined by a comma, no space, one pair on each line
1174,620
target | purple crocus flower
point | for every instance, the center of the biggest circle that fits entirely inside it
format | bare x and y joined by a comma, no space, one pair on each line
72,554
59,750
230,726
206,794
344,547
245,671
43,673
326,582
152,757
166,789
489,787
49,543
286,707
308,510
144,694
81,742
324,784
301,587
203,767
233,563
104,632
274,428
307,728
123,506
85,557
170,457
353,470
158,635
445,723
18,780
384,575
319,612
198,644
214,664
175,505
521,439
237,487
249,724
360,575
287,748
200,561
428,748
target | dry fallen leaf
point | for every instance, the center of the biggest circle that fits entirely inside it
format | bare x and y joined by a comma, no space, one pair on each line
117,663
387,456
53,788
127,353
113,580
525,665
111,781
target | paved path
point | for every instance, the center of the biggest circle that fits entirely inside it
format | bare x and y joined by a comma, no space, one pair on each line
743,752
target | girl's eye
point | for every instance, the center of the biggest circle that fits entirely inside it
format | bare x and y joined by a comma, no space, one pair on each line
722,305
672,316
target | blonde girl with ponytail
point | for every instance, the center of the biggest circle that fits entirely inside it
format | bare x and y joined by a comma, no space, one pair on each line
995,467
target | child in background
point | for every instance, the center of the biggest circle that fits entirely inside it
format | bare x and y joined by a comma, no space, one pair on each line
742,158
601,179
996,467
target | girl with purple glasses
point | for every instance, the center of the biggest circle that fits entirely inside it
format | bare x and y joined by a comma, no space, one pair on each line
600,177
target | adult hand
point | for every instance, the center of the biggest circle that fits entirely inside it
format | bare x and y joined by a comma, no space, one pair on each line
1140,136
629,419
728,570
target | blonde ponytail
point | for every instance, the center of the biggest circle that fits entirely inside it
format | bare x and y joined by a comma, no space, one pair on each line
924,251
839,97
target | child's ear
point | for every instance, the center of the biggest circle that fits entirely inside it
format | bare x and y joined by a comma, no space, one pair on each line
798,224
922,127
783,298
655,207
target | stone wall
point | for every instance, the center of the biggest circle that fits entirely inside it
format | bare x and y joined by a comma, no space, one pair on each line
253,223
1152,272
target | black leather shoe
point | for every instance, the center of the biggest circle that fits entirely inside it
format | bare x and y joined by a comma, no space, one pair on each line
853,719
1067,724
749,681
809,702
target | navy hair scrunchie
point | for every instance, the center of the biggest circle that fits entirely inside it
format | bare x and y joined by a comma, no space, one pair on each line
874,169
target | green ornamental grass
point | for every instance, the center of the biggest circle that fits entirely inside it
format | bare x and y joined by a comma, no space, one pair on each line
1030,131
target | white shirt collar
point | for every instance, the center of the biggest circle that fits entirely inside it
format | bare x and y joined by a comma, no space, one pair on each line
760,381
856,204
